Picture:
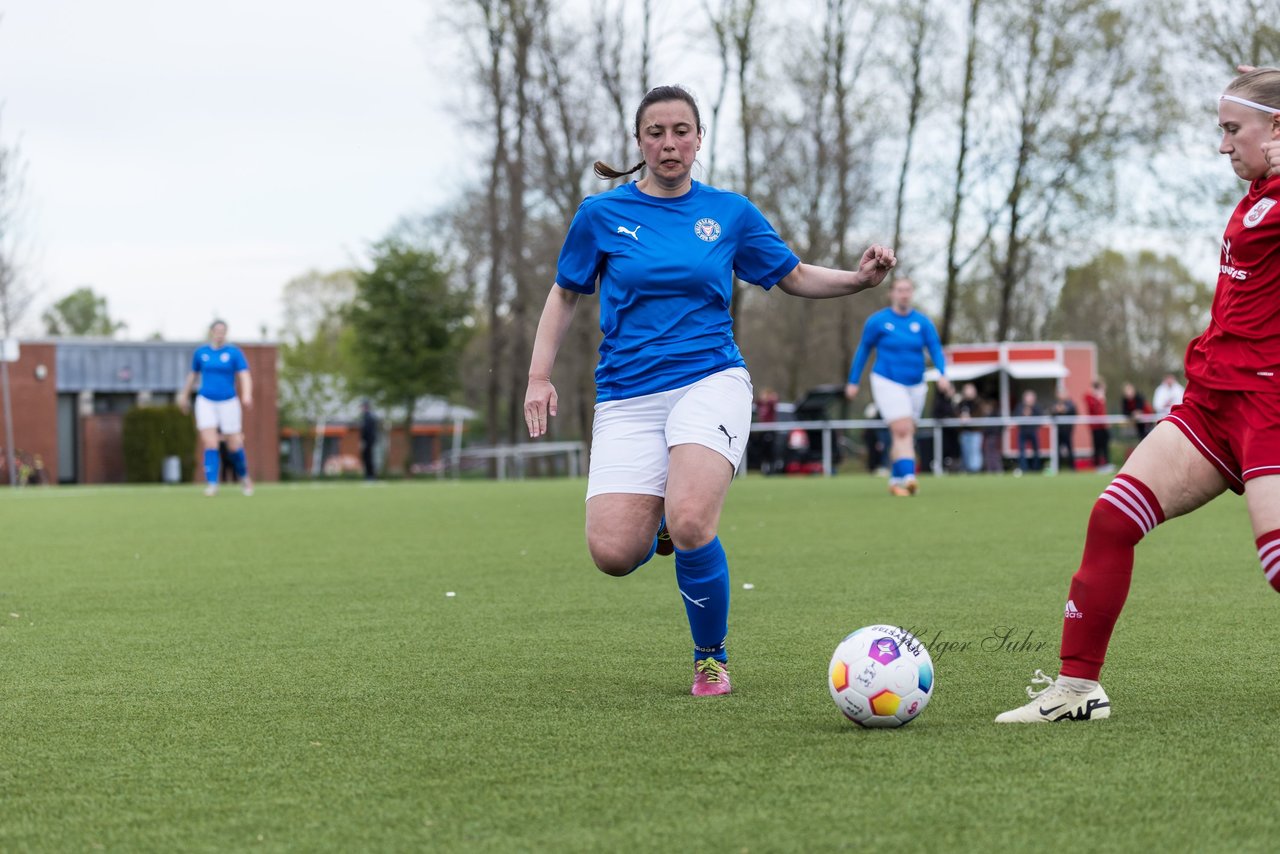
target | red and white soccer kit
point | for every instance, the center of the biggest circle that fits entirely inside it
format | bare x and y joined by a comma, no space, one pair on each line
1231,409
1230,412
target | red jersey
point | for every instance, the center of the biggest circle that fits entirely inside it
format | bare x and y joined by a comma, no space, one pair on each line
1095,405
1240,351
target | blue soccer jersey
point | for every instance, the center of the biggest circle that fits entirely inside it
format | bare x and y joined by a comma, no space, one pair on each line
217,370
665,268
899,342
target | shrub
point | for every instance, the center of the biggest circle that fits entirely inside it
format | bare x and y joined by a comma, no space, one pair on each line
152,433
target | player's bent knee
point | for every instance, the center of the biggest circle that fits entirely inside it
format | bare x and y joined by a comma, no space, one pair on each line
1126,511
614,558
689,531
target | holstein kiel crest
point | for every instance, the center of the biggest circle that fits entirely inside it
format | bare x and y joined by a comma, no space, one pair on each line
707,229
1258,211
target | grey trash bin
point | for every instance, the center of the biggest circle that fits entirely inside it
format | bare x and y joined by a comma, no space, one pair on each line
171,471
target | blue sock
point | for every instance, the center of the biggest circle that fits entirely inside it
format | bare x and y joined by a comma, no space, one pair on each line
904,468
703,576
239,463
211,467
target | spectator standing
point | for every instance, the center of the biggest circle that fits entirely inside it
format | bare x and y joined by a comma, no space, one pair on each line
1065,407
1167,395
1134,406
967,407
368,439
1095,404
944,409
1029,434
877,442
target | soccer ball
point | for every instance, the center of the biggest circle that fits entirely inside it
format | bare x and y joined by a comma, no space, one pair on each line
881,676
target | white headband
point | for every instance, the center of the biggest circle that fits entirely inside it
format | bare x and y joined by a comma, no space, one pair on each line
1253,104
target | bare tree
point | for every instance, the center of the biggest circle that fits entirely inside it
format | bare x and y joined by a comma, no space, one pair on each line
493,75
918,22
15,295
818,140
1073,75
1246,31
719,26
959,187
523,17
734,22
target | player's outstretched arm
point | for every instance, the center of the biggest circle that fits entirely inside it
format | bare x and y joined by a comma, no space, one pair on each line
813,282
184,396
246,388
540,399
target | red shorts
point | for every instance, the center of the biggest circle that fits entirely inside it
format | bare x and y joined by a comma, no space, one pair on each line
1237,431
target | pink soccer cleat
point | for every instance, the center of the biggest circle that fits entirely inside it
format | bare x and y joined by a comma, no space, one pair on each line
710,678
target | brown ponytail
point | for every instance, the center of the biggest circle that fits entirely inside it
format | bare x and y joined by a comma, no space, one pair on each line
608,173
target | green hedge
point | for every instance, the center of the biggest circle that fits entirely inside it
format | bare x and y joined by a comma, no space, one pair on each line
152,433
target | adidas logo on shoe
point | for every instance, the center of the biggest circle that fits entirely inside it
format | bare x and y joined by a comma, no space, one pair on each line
1072,612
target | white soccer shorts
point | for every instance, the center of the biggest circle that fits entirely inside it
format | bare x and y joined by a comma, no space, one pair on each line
631,439
895,400
223,414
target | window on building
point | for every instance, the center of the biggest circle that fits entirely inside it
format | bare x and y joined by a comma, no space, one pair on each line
108,403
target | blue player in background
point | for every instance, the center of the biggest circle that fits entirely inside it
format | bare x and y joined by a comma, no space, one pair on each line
218,408
673,396
900,335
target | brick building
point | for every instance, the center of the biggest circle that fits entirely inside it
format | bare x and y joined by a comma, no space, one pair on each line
437,424
69,397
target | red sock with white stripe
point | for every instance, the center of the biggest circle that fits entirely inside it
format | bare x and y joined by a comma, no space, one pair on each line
1269,554
1125,512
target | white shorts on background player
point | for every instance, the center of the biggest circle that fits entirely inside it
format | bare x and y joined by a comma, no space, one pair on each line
223,414
631,439
896,401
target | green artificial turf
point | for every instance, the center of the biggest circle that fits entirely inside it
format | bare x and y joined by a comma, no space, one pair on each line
287,673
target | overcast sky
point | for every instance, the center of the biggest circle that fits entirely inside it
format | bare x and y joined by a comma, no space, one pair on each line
186,160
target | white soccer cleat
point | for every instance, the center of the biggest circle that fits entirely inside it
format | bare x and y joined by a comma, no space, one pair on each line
247,486
1055,702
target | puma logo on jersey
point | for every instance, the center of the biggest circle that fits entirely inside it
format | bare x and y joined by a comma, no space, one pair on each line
630,232
726,432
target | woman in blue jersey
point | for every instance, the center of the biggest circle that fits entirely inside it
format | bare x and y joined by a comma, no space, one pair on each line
218,408
673,397
899,334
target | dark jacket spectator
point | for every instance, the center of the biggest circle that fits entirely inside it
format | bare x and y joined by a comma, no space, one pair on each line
1065,407
1133,405
1028,434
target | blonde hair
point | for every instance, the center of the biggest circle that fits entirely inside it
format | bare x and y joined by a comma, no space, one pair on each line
1261,85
